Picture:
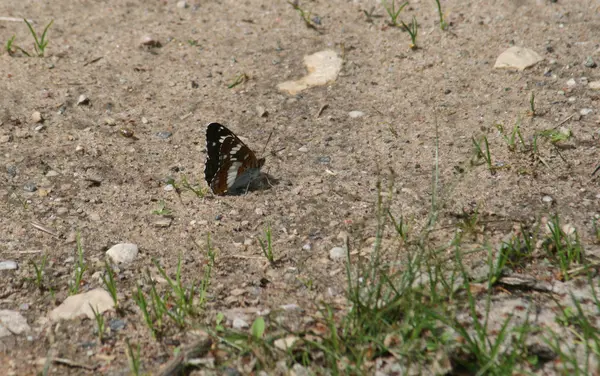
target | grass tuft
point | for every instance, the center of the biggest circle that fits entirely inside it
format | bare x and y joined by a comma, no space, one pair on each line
412,30
267,246
392,11
41,42
80,269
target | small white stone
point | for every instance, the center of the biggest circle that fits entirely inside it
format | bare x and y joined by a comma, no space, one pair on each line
356,114
337,253
182,4
12,322
586,111
169,187
306,247
144,120
123,252
83,100
571,83
8,265
239,324
303,149
547,199
259,211
286,342
76,305
36,117
79,149
594,85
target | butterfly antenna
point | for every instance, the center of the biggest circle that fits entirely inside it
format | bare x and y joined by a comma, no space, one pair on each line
267,143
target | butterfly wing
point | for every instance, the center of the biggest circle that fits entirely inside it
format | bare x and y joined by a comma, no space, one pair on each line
229,162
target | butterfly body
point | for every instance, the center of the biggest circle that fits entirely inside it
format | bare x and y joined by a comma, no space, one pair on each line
230,165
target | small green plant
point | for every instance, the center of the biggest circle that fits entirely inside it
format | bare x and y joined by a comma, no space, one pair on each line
596,228
39,272
196,189
9,45
239,79
555,135
219,320
41,43
392,11
532,112
134,358
192,42
162,209
80,268
184,300
565,249
443,24
108,278
258,328
140,300
485,155
267,246
412,30
100,324
514,136
370,14
303,14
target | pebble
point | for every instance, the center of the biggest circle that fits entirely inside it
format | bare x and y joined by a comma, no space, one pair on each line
259,211
79,149
517,58
286,343
594,85
323,68
261,112
12,322
337,253
306,247
290,307
547,199
239,324
571,83
51,174
586,111
30,187
94,217
303,149
11,171
36,117
117,324
110,121
324,160
83,100
149,41
8,265
356,114
590,63
144,120
164,134
5,138
182,4
76,305
123,252
163,222
169,187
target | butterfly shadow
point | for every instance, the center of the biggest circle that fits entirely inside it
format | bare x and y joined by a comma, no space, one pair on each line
262,183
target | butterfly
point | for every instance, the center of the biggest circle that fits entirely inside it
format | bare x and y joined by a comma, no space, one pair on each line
230,165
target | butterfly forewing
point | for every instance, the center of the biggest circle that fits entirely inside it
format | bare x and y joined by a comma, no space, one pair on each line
230,164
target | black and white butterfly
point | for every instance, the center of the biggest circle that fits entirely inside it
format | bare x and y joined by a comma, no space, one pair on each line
230,165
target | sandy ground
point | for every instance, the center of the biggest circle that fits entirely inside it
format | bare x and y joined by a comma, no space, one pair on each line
323,166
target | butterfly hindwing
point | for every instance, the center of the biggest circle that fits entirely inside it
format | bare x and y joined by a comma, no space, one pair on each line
230,164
